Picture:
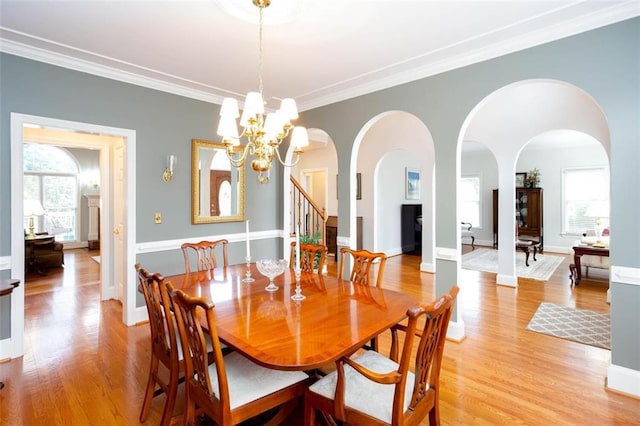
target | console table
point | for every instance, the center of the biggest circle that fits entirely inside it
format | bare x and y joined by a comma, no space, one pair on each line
575,271
6,288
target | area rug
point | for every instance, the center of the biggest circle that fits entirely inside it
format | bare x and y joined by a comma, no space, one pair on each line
96,258
486,260
578,325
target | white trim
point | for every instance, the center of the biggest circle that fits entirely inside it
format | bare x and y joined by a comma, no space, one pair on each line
5,263
507,280
5,349
625,275
451,254
343,241
623,379
142,77
455,331
17,238
158,246
428,267
140,314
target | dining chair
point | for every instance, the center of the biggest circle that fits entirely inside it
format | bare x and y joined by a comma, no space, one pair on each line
363,272
312,257
373,389
164,345
205,252
233,388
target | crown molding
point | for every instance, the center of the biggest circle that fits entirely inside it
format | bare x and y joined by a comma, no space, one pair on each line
344,90
112,73
348,89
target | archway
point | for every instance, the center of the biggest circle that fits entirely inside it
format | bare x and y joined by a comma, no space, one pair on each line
512,116
390,132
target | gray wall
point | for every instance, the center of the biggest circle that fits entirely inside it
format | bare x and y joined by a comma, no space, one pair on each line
604,62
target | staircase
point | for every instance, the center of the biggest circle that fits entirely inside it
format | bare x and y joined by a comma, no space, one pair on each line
305,214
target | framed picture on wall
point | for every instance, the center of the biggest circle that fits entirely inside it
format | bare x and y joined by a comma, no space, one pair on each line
412,184
521,178
358,186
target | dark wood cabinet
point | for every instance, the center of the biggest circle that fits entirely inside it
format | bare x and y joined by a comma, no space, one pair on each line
332,234
411,228
528,212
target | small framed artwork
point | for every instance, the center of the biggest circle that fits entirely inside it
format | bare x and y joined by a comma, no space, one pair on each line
521,178
358,186
412,184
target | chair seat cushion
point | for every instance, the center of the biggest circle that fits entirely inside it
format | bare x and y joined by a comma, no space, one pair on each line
249,381
363,394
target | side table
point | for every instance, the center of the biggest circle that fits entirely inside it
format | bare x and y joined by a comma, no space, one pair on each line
575,270
6,288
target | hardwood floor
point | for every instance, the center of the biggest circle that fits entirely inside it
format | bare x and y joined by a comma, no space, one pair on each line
83,366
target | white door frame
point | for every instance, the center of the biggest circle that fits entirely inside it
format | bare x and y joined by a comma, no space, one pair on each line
106,220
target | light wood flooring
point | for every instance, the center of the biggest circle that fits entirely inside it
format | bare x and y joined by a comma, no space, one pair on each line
82,366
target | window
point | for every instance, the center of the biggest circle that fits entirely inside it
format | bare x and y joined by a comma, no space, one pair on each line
469,200
51,177
585,199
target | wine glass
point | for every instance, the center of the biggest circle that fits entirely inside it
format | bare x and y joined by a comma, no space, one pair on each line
271,268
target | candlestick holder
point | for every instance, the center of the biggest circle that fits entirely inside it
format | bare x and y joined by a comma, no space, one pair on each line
298,296
247,275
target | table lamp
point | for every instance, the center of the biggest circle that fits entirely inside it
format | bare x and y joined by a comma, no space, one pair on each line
32,208
599,210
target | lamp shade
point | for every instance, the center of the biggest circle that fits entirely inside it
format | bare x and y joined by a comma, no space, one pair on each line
33,208
299,137
229,108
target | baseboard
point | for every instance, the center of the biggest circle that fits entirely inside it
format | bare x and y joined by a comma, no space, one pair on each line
5,263
623,380
5,349
455,331
427,267
507,280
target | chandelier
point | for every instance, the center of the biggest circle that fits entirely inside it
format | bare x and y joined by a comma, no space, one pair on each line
263,132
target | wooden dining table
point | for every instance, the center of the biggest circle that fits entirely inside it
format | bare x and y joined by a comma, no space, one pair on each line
335,319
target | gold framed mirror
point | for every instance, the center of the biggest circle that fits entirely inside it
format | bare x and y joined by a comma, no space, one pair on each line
217,188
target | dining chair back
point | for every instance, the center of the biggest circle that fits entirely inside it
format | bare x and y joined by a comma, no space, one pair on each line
232,388
312,257
358,392
164,345
363,271
205,254
367,267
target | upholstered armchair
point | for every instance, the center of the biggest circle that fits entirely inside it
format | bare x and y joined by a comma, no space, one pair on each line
43,253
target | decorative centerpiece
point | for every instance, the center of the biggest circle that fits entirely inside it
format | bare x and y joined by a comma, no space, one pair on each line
533,178
271,268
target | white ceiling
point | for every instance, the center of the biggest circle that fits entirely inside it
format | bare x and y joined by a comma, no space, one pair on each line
324,51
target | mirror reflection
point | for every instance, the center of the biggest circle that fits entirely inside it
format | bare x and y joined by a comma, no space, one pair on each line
217,187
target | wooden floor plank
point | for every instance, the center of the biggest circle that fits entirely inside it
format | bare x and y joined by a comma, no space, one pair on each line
83,366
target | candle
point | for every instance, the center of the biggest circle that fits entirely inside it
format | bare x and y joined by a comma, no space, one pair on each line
247,240
298,249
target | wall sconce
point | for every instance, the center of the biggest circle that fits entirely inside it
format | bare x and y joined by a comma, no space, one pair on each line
168,171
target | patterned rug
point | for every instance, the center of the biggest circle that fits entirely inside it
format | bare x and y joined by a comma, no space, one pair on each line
578,325
486,260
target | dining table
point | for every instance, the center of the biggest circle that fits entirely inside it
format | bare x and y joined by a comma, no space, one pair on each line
335,319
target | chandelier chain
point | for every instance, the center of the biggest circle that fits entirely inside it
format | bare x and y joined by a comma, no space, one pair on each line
260,53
